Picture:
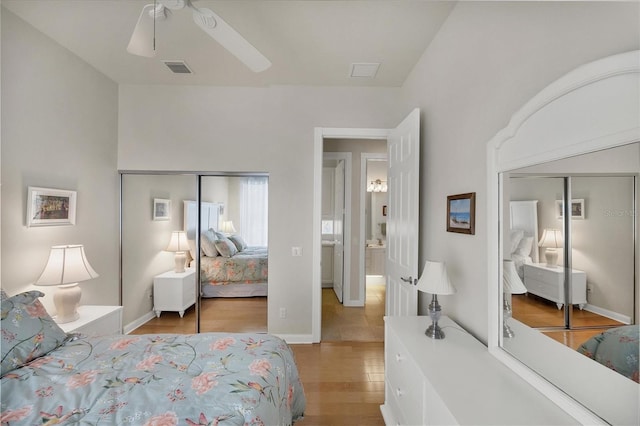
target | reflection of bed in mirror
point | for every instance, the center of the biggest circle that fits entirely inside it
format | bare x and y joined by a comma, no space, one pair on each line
523,236
228,267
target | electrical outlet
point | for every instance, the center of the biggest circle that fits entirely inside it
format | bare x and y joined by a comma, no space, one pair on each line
283,312
296,251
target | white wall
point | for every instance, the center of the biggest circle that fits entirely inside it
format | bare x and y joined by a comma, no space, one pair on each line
488,59
59,130
253,130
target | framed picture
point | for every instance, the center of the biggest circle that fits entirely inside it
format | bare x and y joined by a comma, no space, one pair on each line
47,207
161,209
461,213
577,209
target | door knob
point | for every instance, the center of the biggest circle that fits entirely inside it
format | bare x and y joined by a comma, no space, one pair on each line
409,280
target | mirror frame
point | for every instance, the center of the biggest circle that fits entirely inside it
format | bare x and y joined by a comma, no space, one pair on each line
552,126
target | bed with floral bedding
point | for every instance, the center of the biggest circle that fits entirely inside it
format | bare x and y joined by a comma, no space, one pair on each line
165,379
617,348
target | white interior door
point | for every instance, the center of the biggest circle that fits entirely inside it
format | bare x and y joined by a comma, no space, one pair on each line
338,230
402,221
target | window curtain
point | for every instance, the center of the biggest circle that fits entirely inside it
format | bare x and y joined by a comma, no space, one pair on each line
254,203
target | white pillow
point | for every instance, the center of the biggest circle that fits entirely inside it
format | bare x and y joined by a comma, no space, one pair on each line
208,243
524,247
515,236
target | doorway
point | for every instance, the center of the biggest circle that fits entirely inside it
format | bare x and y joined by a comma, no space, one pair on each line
352,311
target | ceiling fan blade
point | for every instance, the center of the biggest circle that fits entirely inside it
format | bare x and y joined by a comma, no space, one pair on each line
141,42
230,39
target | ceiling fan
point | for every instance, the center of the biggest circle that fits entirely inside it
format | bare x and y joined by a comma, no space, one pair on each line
142,41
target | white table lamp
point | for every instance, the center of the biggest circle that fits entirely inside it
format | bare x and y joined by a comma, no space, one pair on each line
227,227
551,240
435,280
511,284
179,244
66,267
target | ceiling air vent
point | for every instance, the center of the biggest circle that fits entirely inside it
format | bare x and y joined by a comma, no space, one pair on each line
364,69
178,67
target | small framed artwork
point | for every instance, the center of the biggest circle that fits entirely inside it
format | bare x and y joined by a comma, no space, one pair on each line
50,207
461,213
384,210
161,209
577,209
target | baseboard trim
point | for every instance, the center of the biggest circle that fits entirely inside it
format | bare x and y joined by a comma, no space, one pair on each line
137,323
295,339
607,313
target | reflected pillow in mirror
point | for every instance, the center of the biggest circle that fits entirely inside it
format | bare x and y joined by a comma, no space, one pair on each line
515,237
28,331
524,246
208,243
238,241
225,247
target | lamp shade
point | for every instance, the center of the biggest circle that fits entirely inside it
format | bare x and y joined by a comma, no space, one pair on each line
434,279
551,238
227,227
67,264
510,278
178,242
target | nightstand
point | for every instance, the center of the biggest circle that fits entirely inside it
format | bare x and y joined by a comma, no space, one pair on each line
548,282
174,291
96,320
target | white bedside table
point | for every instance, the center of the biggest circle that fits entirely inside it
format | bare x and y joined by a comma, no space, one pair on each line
548,282
96,320
174,291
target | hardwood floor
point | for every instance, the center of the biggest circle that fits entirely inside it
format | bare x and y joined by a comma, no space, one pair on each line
350,324
537,312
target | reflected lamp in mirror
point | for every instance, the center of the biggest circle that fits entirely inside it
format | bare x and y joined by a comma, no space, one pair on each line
179,245
551,241
511,284
227,227
435,280
66,267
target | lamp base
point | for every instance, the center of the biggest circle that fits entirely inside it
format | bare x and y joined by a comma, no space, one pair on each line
434,331
180,260
66,300
551,255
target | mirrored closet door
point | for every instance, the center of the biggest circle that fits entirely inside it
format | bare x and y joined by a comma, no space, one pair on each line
194,252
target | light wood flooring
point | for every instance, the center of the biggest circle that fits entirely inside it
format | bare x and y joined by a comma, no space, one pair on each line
537,312
353,324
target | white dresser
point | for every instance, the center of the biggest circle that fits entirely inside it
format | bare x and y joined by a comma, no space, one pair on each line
548,282
96,320
174,291
454,381
375,258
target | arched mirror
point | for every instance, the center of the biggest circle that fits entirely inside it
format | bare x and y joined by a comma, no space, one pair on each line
194,252
562,208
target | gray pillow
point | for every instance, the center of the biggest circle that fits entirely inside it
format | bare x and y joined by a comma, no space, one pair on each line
238,241
28,332
225,247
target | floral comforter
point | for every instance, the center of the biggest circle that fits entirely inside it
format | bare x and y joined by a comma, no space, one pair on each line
158,380
248,266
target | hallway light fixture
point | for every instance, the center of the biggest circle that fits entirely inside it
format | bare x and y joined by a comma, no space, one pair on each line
377,186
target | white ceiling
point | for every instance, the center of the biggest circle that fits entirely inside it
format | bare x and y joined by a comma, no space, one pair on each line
308,42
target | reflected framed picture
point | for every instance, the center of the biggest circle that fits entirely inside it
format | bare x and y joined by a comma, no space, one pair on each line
161,209
577,209
50,207
461,213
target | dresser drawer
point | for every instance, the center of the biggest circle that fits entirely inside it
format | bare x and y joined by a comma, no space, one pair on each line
540,288
403,387
549,277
